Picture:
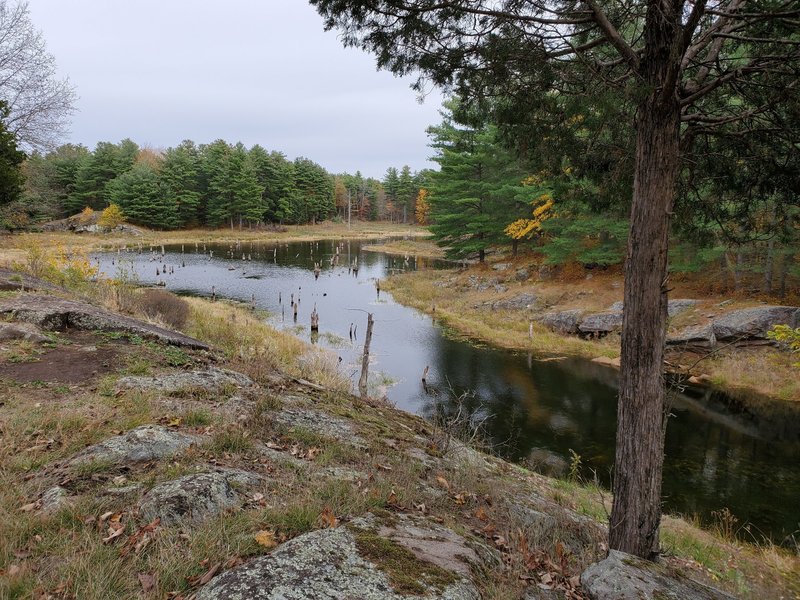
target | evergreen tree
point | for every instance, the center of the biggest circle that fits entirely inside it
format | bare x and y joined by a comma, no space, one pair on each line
138,193
96,170
246,191
314,197
180,182
215,159
476,192
406,192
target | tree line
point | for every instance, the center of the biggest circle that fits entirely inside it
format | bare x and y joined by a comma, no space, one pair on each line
204,185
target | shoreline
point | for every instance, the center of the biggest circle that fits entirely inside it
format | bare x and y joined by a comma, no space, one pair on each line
489,315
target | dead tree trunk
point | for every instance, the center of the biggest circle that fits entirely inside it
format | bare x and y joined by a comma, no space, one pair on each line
362,382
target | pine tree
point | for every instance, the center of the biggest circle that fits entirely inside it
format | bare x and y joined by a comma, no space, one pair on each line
180,182
476,191
139,195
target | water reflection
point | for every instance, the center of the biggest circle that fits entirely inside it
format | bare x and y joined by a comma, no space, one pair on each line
718,454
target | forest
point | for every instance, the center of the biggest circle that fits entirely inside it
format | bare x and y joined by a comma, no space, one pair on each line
206,185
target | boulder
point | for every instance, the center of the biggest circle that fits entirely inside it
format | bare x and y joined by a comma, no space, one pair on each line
699,337
519,302
363,560
211,380
22,331
601,323
740,327
321,423
565,321
196,497
522,274
674,307
625,577
753,323
55,314
147,442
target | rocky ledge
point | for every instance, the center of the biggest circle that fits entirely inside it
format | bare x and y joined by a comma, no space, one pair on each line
57,314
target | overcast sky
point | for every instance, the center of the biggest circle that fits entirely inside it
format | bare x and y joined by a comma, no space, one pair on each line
256,71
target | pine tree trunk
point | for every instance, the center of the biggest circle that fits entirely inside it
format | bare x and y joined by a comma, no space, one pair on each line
636,513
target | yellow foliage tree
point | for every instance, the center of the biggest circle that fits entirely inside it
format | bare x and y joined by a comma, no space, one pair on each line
111,216
527,228
86,216
423,206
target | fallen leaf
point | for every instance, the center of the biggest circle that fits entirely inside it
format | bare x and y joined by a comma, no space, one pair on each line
257,497
31,507
328,518
481,514
106,516
147,581
114,531
392,499
266,538
14,570
443,482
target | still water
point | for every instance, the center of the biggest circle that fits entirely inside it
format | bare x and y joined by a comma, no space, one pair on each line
718,454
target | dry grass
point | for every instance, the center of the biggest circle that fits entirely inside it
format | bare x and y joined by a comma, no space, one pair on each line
766,371
462,309
259,350
417,247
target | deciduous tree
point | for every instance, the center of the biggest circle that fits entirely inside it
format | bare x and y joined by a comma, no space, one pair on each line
39,103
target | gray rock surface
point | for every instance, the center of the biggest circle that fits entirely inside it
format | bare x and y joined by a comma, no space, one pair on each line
625,577
321,423
694,336
601,323
195,497
753,323
522,274
212,380
674,307
52,313
54,498
21,331
12,280
745,326
519,302
565,321
327,565
147,442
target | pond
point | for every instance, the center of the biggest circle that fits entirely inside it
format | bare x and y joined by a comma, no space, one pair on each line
719,454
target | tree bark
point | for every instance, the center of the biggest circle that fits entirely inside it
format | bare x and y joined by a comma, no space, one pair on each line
636,513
